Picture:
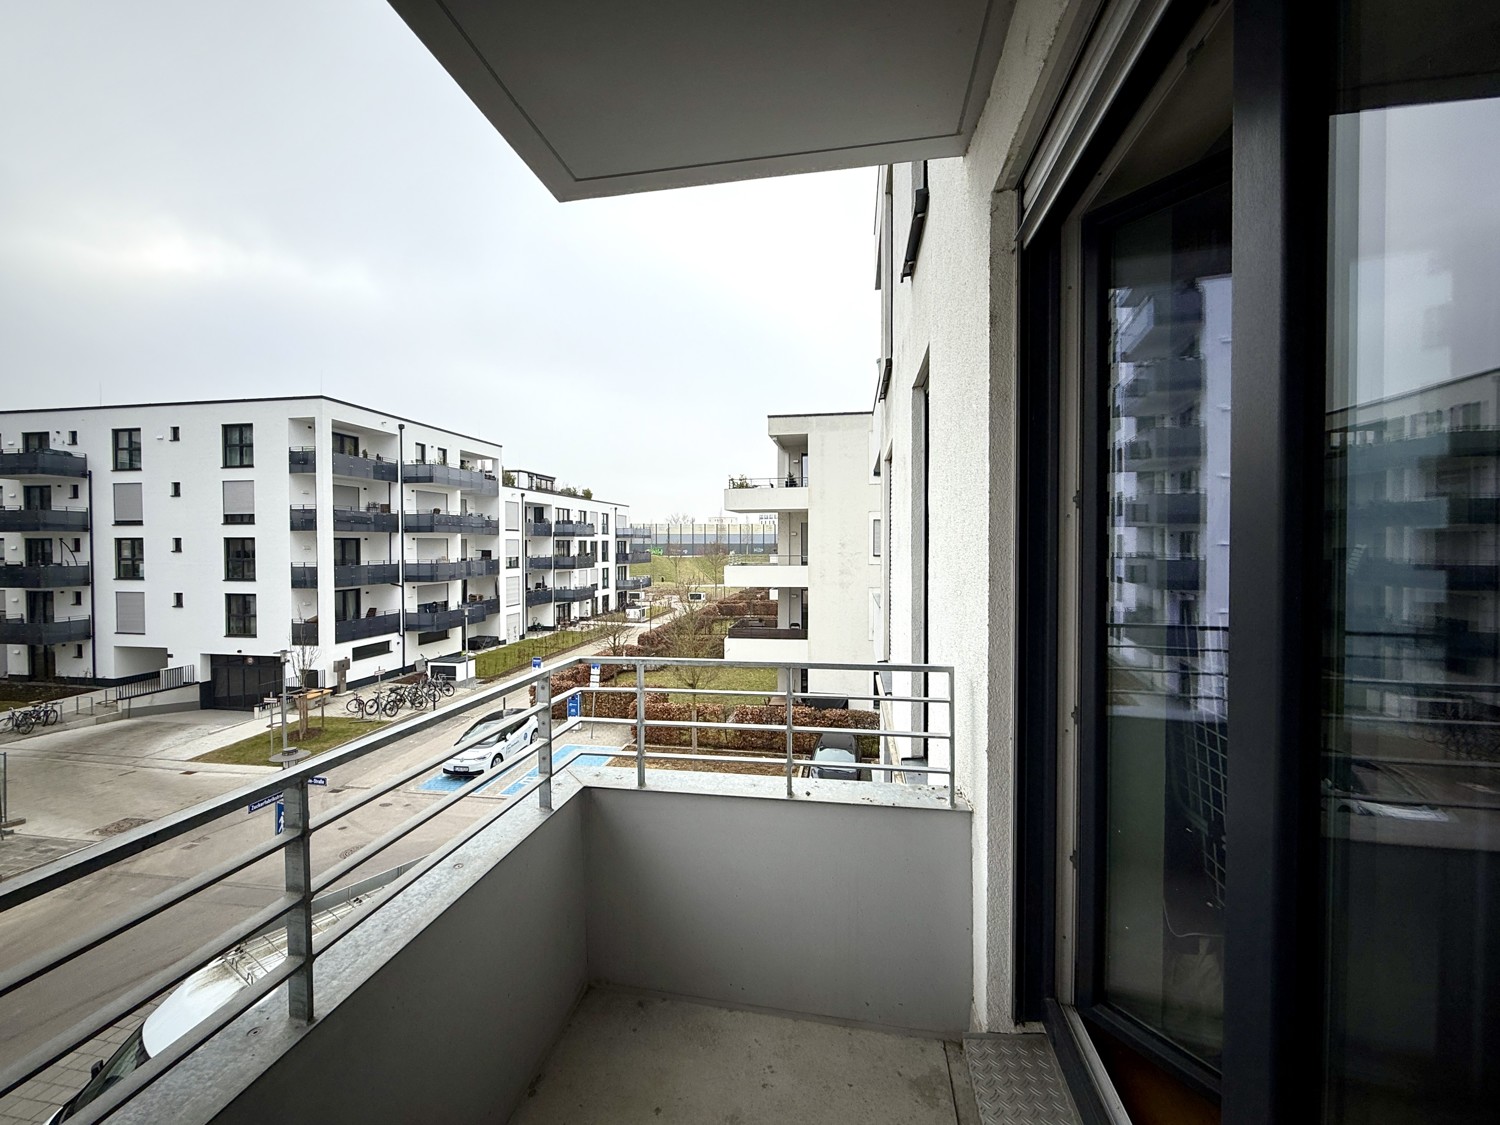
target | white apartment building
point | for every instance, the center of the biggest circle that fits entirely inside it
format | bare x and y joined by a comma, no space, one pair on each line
218,535
570,552
825,573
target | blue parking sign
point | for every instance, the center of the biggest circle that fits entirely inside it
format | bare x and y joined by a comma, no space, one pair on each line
573,702
536,661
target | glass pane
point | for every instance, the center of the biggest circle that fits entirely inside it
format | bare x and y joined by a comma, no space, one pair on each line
1167,474
1411,740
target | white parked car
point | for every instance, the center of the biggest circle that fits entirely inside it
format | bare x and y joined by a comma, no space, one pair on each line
491,741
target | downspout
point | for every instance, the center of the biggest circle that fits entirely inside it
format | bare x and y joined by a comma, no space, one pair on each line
401,531
93,587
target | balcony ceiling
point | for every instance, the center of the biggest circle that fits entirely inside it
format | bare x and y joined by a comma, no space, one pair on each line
605,98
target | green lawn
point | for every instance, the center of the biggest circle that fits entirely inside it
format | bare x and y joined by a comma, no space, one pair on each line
726,679
506,659
254,751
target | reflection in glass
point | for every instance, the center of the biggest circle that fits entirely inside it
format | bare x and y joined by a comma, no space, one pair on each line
1411,750
1167,605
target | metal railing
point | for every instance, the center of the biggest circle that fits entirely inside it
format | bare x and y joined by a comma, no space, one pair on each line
573,527
165,680
19,631
44,519
451,522
636,557
304,576
756,629
293,907
789,480
362,628
444,475
44,576
43,463
796,558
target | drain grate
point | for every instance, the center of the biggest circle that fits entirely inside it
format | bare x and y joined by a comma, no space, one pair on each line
124,824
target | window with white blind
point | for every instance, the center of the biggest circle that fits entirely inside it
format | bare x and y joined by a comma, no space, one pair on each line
128,507
239,501
513,590
512,515
130,611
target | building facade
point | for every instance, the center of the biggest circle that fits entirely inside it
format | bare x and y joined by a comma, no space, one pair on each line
221,535
824,571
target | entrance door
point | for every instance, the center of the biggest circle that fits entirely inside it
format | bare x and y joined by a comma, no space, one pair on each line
37,497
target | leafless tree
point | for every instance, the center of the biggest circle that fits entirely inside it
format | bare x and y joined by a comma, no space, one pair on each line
696,636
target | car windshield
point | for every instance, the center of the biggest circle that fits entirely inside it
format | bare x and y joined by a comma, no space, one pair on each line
132,1053
495,720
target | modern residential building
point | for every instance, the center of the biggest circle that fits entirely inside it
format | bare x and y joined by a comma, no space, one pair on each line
825,570
1285,912
219,535
726,534
572,552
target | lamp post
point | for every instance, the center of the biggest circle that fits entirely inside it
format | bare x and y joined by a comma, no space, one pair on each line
284,653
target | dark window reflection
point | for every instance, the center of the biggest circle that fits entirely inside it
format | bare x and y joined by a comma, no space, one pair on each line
1166,633
1411,751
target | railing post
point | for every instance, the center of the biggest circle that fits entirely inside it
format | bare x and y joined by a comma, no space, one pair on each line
952,741
791,678
640,724
544,736
298,857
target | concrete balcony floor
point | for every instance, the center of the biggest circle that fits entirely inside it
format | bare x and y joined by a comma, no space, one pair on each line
628,1057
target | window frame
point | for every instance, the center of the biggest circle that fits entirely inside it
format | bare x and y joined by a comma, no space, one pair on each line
241,567
245,616
130,448
237,445
130,559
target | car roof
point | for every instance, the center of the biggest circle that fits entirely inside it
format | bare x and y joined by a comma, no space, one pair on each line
836,742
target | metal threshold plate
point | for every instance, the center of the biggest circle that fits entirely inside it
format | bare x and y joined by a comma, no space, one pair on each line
1017,1081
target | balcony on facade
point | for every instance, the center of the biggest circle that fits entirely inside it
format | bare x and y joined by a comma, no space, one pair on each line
1165,508
573,562
1155,388
573,527
482,481
632,583
783,572
1164,573
1163,448
304,460
304,576
43,463
432,617
637,557
48,576
373,519
371,625
304,517
305,634
540,529
366,574
634,532
574,593
451,522
540,562
540,595
450,570
18,631
44,519
766,494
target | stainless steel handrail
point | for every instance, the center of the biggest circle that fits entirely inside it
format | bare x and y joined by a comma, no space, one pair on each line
301,884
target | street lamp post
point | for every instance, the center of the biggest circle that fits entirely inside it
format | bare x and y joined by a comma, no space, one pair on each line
283,654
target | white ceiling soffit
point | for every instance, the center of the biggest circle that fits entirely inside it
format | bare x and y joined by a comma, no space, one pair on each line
605,97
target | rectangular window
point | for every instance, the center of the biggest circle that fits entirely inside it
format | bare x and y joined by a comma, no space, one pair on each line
604,550
239,446
239,615
369,652
72,437
603,524
72,492
346,605
127,450
346,444
130,558
346,552
177,601
128,508
176,488
130,611
177,546
419,452
512,517
433,637
513,590
442,455
176,434
36,441
77,597
876,541
239,560
239,501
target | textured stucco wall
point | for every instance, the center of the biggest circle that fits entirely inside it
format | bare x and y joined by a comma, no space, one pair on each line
955,325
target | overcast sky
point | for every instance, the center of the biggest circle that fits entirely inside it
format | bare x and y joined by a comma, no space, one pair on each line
224,199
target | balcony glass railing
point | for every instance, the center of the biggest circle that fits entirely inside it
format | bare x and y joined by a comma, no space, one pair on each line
482,481
19,631
573,527
373,624
46,576
374,518
540,529
43,463
637,557
304,576
366,574
450,522
789,480
44,519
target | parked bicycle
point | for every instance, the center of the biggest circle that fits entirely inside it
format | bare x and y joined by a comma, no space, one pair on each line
25,719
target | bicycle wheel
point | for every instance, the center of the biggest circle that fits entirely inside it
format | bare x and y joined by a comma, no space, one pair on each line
52,715
355,706
392,707
445,687
24,722
371,708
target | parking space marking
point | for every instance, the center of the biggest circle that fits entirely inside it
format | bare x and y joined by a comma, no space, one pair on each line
441,782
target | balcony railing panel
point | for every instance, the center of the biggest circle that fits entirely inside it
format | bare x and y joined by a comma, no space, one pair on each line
366,574
450,522
304,576
633,583
753,628
43,463
573,527
18,631
575,594
540,562
44,519
304,518
481,481
364,468
362,628
539,597
540,529
302,459
304,633
637,557
428,620
52,576
374,519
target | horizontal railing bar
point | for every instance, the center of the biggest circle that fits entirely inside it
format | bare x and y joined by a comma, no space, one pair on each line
773,694
780,760
158,1065
184,967
685,661
56,958
705,724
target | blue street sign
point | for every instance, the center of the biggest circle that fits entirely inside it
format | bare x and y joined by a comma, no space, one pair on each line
536,661
573,702
317,781
280,817
256,806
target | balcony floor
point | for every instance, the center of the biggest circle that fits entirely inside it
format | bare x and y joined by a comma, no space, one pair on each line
631,1057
